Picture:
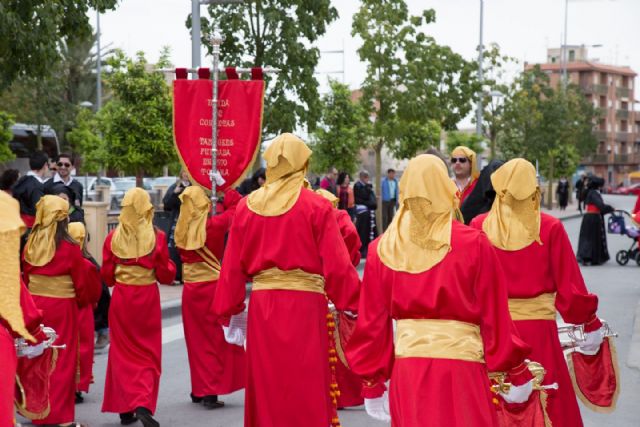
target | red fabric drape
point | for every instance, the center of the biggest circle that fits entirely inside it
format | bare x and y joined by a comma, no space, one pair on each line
596,378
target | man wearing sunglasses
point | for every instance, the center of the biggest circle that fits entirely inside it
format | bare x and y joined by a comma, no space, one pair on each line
463,164
64,166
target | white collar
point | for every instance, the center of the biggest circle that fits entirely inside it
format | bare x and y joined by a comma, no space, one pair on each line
58,178
36,176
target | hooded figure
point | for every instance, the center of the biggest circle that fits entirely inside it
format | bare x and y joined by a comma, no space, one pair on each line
592,244
216,366
543,280
440,281
135,258
285,239
481,197
61,281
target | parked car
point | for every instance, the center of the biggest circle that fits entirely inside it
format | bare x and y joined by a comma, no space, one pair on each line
165,180
633,189
89,183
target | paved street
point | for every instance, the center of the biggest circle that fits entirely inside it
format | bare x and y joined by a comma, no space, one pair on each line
618,287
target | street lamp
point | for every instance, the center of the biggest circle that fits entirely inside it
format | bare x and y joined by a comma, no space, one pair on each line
195,28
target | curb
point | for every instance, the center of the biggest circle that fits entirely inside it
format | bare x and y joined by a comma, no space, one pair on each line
633,360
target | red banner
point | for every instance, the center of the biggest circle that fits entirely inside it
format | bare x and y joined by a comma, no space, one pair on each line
239,127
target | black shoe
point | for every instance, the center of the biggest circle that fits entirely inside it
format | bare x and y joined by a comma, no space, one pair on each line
79,398
146,418
127,418
212,402
195,399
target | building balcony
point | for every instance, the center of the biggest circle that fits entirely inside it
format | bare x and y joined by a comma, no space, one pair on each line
596,159
627,159
623,92
600,89
601,111
622,114
601,135
623,136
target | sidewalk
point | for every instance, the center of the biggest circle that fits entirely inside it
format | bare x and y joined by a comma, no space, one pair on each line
569,213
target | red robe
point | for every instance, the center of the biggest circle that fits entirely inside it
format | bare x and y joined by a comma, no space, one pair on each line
8,360
349,384
216,366
86,325
135,331
288,377
468,286
62,315
550,267
467,190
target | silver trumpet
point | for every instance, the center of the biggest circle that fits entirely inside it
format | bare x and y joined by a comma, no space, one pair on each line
22,344
572,336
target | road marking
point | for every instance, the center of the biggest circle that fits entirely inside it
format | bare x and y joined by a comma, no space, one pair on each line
172,333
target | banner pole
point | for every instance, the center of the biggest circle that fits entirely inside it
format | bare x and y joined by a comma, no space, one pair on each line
216,41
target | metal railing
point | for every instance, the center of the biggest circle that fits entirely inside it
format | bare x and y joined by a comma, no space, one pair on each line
623,92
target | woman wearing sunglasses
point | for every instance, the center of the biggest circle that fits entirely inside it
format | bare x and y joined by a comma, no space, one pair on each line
463,164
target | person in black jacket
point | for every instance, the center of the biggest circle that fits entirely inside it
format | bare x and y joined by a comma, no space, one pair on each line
171,202
366,205
30,188
64,166
562,193
482,196
250,185
592,243
76,214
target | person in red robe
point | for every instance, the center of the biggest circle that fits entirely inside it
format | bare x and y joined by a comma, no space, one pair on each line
543,279
440,280
135,257
285,239
19,316
60,280
465,171
349,384
216,366
86,323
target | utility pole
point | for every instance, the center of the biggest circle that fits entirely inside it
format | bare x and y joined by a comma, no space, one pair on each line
195,35
480,80
98,65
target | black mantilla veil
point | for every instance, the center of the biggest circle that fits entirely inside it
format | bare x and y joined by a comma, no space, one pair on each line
481,197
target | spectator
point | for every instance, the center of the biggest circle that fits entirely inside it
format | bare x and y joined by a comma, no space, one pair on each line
329,181
8,180
346,200
366,205
30,188
250,185
592,243
482,196
76,214
63,175
172,204
562,193
581,191
389,198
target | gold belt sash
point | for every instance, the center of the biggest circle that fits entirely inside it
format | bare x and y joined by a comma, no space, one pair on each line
196,272
541,307
439,339
135,275
52,286
290,280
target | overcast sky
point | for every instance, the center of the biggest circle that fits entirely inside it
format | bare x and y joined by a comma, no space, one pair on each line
524,29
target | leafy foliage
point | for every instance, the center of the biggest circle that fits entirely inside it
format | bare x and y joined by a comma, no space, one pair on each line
470,140
6,120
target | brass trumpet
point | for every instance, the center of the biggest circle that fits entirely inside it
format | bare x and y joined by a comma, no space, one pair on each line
22,344
536,369
576,334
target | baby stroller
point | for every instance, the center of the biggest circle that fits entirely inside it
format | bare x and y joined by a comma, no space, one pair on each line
617,225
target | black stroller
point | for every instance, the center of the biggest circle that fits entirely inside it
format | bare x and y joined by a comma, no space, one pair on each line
617,225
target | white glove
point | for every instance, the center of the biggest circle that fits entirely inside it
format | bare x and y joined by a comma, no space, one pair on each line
236,332
518,393
592,341
218,179
378,408
31,351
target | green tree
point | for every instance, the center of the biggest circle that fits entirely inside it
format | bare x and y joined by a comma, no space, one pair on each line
471,140
280,34
6,121
344,126
136,123
84,137
413,86
551,125
31,30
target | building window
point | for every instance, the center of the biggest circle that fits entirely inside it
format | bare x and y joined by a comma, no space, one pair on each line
603,101
624,105
572,55
603,78
601,146
602,124
625,81
624,126
553,59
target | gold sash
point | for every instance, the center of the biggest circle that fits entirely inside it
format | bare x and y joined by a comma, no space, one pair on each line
290,280
51,286
439,339
135,275
541,307
196,272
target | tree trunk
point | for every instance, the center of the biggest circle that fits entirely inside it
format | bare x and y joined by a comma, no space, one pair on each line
139,176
